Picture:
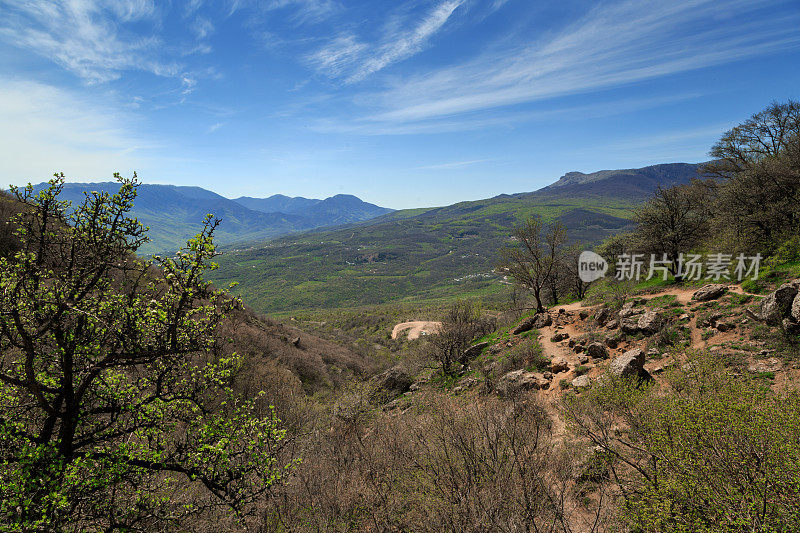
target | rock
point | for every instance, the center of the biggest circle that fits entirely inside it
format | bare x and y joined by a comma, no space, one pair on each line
773,364
603,315
458,389
612,324
583,314
558,337
296,341
629,324
650,322
778,305
581,382
583,359
559,364
547,375
542,320
415,386
795,312
612,342
709,292
525,325
578,348
709,320
597,350
631,363
517,381
474,350
394,381
571,343
791,327
626,312
653,352
724,326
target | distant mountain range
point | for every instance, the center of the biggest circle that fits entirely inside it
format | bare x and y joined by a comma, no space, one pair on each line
432,253
175,213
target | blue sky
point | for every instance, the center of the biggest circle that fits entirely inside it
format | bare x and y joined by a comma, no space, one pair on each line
403,103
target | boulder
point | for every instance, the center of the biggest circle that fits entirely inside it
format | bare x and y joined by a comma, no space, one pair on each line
603,315
631,363
578,348
709,292
629,324
724,326
542,320
583,314
627,312
796,308
583,359
558,337
612,342
474,350
394,381
518,381
597,350
612,324
650,322
791,327
581,382
778,305
559,364
525,325
709,320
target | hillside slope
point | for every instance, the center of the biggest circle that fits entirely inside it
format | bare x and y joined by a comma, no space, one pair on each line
432,253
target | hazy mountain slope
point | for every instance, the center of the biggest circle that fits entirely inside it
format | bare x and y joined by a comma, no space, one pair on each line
430,253
277,203
175,213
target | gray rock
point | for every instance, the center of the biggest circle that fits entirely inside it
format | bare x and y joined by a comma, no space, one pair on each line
791,327
612,324
542,320
518,381
773,364
559,364
547,375
558,337
724,326
631,363
778,305
583,359
796,308
709,292
650,322
709,320
394,381
627,312
629,324
525,325
603,315
597,350
581,382
474,350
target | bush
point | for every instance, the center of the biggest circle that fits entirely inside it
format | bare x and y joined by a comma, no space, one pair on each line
708,452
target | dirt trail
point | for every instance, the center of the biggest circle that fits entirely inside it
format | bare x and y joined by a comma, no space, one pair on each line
575,328
416,328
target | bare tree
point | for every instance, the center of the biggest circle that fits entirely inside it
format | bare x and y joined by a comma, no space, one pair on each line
534,260
461,325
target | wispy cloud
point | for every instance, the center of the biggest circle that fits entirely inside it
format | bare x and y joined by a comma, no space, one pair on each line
612,45
351,59
454,165
214,127
87,37
44,129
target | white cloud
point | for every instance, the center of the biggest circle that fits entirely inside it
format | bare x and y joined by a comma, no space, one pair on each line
44,129
612,45
86,37
349,58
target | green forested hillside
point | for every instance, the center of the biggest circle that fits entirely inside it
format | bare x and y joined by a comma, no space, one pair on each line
425,253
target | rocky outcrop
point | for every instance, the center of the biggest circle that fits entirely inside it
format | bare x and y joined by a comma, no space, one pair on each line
795,312
631,363
709,292
518,381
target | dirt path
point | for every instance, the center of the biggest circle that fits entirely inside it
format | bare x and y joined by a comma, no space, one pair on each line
416,328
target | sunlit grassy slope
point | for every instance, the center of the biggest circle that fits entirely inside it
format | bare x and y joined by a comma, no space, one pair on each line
430,254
